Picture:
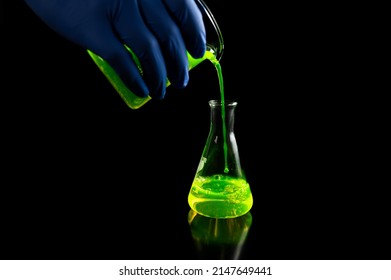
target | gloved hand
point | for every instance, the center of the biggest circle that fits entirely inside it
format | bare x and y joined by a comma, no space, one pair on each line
158,31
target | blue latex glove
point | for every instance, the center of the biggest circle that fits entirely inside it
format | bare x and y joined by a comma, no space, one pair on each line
158,31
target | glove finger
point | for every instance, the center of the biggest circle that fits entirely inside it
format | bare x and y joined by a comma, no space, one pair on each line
169,36
132,30
189,18
105,44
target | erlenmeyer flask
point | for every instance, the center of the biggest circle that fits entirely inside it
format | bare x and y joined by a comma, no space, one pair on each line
220,188
214,50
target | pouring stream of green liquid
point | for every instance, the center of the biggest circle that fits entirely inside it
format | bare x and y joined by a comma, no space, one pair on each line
217,65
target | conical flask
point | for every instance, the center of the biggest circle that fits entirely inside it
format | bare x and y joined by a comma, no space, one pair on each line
220,188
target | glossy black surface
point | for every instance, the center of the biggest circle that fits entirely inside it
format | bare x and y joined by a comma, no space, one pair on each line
85,177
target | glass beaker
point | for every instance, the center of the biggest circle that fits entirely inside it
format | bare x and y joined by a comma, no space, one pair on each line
214,50
220,188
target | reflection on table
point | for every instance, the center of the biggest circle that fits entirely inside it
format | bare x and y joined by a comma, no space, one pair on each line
219,238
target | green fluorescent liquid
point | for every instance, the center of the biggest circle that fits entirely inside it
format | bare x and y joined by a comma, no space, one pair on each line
217,65
220,196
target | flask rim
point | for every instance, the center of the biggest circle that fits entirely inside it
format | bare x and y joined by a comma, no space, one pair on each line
219,103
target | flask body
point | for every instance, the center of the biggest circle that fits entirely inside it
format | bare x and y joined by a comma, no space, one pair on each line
220,188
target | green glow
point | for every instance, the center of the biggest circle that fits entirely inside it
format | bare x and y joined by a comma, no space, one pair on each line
220,196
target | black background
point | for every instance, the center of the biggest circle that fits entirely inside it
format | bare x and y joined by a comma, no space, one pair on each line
85,177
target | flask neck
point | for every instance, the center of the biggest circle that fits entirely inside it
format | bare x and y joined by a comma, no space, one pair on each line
222,115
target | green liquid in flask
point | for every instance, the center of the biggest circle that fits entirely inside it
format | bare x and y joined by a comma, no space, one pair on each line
220,195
